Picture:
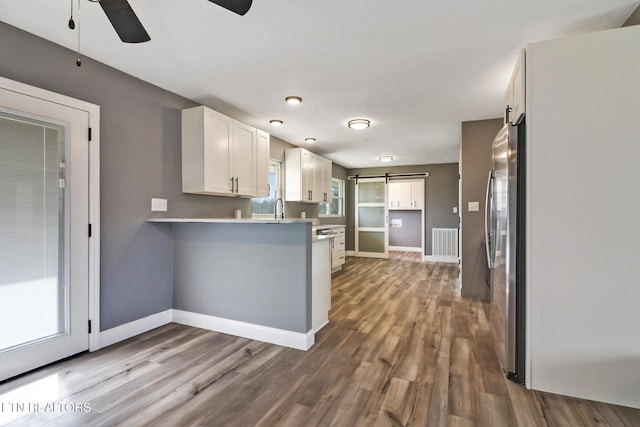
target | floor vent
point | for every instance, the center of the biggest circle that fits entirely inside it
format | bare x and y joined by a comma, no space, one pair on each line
444,242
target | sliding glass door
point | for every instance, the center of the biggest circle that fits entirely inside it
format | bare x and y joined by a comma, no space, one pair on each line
371,218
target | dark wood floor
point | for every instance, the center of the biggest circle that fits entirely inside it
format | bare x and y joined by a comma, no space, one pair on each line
402,349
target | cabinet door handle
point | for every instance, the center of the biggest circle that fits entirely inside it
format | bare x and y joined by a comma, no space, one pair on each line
236,185
232,184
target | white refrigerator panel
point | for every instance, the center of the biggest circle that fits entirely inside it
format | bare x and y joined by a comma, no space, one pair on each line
583,232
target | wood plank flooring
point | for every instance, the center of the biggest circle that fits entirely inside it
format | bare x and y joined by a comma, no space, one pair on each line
402,349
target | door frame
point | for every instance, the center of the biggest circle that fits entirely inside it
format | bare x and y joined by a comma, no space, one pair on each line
93,111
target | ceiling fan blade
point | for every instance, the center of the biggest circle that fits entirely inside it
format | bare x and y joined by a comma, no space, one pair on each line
124,21
237,6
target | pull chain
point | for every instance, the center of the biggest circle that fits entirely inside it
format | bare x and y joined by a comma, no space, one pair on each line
72,24
78,60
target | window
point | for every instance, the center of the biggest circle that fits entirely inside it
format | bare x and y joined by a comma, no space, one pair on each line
336,208
264,206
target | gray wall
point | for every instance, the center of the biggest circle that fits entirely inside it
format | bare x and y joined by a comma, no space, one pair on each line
441,196
140,159
477,138
255,273
409,234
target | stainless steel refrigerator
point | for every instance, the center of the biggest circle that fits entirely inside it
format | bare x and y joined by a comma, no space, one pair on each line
504,237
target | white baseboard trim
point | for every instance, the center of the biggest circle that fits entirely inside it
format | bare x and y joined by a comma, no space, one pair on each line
297,340
405,248
350,253
131,329
445,259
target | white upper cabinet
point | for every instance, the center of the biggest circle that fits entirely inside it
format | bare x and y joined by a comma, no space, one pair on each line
324,189
221,156
406,195
307,176
262,163
514,97
243,159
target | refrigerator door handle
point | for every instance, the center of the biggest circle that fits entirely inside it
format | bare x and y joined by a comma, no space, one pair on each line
487,216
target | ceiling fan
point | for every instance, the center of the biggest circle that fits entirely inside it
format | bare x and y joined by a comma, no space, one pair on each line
130,30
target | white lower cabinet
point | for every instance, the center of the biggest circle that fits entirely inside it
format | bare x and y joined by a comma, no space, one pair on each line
338,252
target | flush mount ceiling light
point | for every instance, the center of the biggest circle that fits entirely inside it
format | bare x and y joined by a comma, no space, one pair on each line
276,122
310,140
386,158
293,100
359,124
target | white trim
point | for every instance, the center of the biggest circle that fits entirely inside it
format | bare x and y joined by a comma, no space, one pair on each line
350,253
94,218
297,340
445,259
131,329
405,248
320,327
372,255
94,190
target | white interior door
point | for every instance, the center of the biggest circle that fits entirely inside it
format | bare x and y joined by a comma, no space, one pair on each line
371,237
44,217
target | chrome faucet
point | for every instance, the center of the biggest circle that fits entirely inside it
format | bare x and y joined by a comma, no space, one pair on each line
275,210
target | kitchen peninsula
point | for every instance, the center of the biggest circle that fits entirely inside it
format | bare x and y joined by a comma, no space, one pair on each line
268,280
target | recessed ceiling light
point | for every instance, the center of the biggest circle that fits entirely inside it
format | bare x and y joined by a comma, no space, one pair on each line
276,122
385,158
294,100
310,140
359,124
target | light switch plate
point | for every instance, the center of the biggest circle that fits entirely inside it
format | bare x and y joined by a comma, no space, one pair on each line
455,209
474,206
159,205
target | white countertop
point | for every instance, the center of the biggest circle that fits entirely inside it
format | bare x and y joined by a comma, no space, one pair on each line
313,221
330,226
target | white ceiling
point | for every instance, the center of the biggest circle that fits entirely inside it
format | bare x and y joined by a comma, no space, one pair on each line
415,68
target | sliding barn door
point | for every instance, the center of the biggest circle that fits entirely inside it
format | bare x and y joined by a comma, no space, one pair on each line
371,231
